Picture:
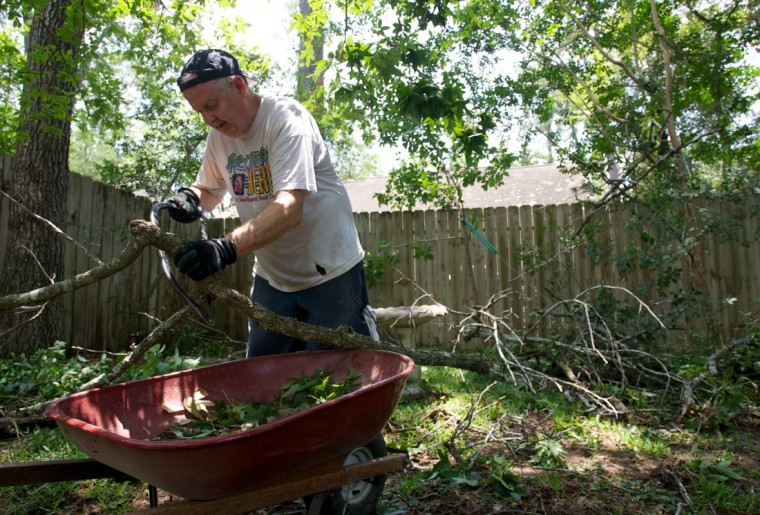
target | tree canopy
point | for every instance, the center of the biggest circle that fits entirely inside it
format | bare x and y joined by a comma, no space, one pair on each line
639,96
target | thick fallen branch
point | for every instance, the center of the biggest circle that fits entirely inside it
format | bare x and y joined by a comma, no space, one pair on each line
148,234
142,238
342,337
13,427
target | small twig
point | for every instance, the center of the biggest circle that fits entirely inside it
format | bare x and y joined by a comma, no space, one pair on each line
52,226
4,334
687,395
681,487
139,350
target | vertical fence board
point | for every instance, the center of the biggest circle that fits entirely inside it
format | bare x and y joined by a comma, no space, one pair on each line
457,262
476,270
147,286
492,284
753,250
446,266
70,252
435,330
564,252
84,314
552,264
540,262
369,242
117,310
404,239
102,200
499,229
581,266
419,264
516,277
733,254
529,266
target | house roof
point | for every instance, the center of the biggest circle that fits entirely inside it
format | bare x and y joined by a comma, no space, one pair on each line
527,185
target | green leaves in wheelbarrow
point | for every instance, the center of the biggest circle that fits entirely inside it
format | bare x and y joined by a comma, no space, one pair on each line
204,417
317,388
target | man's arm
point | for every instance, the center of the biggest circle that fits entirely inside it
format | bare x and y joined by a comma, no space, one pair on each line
284,213
208,201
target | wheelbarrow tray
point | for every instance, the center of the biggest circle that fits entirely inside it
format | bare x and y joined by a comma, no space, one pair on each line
114,424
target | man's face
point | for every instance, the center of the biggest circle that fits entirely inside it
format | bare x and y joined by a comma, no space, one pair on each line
222,105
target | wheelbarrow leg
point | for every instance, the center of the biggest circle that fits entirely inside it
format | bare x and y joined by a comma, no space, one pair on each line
314,503
153,496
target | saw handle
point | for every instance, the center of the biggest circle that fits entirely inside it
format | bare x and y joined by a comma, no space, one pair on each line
205,313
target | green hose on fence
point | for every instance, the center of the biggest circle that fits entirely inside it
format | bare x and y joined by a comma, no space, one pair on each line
480,236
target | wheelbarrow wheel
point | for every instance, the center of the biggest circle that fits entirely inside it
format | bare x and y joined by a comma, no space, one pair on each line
358,498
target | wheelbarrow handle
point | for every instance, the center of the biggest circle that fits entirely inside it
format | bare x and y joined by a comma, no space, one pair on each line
205,314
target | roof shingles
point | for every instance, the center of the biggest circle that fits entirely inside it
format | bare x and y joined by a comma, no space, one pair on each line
529,185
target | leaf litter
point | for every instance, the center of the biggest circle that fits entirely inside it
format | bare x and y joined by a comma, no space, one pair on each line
204,417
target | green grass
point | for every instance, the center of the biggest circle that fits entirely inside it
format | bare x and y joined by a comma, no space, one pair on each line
546,452
46,444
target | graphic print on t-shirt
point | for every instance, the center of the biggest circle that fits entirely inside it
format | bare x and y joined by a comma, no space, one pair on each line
251,176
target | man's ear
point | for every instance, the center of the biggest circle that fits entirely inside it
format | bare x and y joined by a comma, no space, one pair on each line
240,83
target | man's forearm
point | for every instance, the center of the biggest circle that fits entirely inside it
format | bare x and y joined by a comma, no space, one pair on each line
281,215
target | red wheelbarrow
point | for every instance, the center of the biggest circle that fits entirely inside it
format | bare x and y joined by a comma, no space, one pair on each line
115,424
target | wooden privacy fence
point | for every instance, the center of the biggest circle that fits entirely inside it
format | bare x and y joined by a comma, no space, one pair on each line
525,259
464,271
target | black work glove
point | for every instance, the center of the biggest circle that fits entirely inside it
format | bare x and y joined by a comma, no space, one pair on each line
185,206
201,258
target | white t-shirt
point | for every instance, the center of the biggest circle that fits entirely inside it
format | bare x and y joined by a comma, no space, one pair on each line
284,150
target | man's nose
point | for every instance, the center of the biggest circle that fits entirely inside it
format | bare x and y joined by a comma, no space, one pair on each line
209,119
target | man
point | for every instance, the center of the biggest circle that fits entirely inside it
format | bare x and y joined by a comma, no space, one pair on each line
295,213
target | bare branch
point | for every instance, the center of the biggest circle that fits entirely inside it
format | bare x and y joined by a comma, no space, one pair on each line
688,396
52,226
143,237
675,141
617,62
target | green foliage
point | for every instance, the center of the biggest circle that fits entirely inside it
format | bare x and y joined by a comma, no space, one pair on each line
378,263
716,485
387,257
411,86
43,444
123,79
507,482
455,476
590,79
49,373
205,417
444,433
653,107
422,249
502,472
548,452
155,362
45,374
190,339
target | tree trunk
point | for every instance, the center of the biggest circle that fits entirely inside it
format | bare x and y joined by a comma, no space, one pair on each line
40,174
307,83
